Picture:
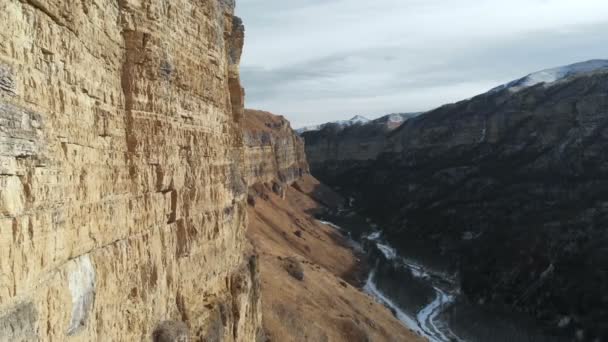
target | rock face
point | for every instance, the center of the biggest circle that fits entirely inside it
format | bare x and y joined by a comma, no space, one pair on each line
354,143
509,189
122,203
273,151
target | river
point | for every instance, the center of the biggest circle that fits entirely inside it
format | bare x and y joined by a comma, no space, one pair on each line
436,313
427,321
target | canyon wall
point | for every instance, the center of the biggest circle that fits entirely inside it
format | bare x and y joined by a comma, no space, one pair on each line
357,143
335,142
122,203
508,189
273,151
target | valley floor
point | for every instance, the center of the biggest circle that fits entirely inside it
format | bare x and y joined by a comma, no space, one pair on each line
327,304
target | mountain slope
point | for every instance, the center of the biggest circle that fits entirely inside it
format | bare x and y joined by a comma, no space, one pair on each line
391,121
508,189
549,76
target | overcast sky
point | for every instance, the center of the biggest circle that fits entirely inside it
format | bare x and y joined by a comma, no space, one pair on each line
321,60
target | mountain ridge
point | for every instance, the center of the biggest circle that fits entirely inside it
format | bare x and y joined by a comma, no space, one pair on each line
556,74
505,189
392,121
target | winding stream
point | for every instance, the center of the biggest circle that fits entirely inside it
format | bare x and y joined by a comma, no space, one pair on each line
429,301
427,321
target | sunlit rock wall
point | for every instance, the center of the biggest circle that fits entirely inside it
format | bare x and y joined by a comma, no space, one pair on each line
121,195
273,151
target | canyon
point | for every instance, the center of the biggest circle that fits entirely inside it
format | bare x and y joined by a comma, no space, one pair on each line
139,200
323,299
505,190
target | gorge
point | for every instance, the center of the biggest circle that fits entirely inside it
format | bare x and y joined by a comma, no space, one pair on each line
505,189
141,201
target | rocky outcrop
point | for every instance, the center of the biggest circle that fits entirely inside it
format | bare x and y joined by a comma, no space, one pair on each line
122,204
508,189
273,151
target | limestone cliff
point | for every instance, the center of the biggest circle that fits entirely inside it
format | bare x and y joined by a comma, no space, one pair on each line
122,203
273,151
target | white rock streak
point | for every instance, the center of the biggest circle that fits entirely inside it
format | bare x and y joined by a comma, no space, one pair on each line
81,281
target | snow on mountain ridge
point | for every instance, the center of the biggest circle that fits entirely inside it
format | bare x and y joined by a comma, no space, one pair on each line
357,119
552,75
391,121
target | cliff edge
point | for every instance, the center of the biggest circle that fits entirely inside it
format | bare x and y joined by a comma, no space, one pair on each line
310,274
122,204
273,151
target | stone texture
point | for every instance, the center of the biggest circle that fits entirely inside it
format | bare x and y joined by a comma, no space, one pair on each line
122,203
273,151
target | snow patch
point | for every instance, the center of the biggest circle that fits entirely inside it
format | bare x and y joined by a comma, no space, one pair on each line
388,251
553,75
374,236
370,287
395,118
427,317
357,119
354,244
335,226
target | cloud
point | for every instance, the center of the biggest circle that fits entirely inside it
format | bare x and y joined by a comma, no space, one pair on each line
321,60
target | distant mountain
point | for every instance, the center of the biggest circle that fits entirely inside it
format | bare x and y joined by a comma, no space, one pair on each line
357,119
549,76
391,121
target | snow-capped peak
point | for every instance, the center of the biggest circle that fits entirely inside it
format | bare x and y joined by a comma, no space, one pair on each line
357,119
549,76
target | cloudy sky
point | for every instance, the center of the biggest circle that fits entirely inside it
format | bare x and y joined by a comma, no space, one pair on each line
322,60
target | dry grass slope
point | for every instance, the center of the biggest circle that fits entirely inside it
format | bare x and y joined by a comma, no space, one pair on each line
324,305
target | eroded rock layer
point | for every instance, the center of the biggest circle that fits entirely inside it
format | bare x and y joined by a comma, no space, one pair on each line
122,203
273,151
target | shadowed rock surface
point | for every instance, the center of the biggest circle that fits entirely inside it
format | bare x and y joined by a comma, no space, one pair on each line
508,189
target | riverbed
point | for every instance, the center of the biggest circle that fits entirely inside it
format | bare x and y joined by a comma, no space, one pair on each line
427,321
439,313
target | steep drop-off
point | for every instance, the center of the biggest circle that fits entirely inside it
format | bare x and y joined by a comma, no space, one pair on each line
310,274
273,152
508,189
122,203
